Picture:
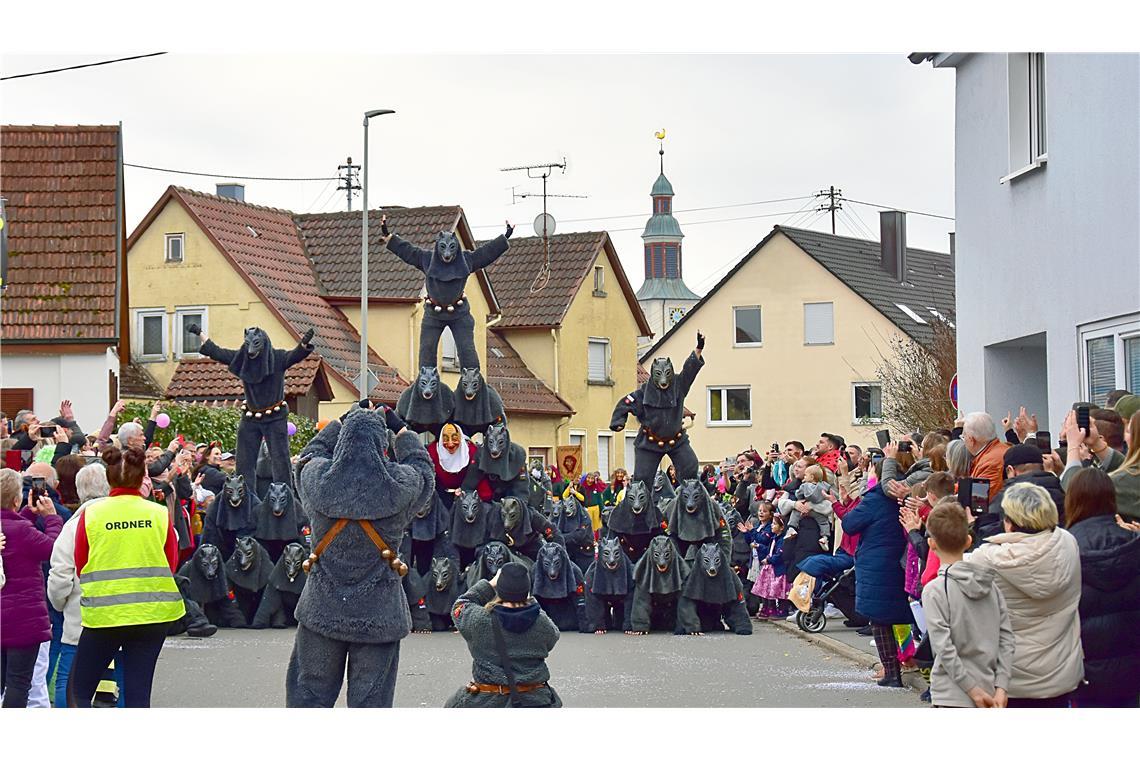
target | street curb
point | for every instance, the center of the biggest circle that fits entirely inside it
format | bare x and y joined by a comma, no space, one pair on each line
914,681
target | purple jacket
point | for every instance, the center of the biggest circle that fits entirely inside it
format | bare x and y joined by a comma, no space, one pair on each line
23,600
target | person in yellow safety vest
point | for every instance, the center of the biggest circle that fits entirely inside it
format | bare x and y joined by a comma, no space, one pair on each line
125,552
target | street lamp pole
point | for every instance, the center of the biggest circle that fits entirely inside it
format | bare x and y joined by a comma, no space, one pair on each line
364,262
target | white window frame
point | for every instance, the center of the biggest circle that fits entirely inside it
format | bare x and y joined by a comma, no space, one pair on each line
710,422
181,237
139,315
629,451
1028,114
570,442
610,466
600,281
608,379
855,418
179,313
758,344
547,453
805,312
445,361
1120,329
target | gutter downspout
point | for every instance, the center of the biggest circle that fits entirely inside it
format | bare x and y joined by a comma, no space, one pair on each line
122,331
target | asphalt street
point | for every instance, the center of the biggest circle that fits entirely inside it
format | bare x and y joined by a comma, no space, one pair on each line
771,668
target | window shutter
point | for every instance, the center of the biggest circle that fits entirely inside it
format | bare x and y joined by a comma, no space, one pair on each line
819,323
448,350
13,400
629,452
597,360
604,456
1102,368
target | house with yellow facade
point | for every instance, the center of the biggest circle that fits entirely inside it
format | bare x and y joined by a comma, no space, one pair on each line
794,332
560,355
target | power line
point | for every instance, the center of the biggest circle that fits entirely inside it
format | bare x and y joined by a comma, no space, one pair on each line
80,66
896,208
230,176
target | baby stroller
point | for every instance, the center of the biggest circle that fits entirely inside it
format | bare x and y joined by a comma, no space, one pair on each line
814,621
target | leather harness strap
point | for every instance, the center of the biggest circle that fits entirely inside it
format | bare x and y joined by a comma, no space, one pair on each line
494,688
385,552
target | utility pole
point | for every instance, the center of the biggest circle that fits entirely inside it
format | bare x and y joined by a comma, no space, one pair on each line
350,180
835,203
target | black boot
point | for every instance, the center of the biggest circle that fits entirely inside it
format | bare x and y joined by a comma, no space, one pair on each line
894,681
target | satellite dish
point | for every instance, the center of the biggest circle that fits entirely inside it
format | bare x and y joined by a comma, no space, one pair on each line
544,225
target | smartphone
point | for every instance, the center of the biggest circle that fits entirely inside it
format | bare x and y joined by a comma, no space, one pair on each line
906,444
775,446
1083,418
884,437
974,494
47,431
1044,441
39,488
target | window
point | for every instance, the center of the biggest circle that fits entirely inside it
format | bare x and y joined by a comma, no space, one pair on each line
150,334
730,406
819,324
605,454
662,205
598,361
539,455
175,242
867,400
1028,144
630,456
1110,357
746,321
672,261
448,352
599,282
187,343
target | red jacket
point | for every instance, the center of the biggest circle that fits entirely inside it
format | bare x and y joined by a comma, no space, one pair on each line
445,480
850,541
23,602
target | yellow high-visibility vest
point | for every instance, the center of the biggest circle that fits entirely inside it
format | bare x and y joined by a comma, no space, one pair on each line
127,579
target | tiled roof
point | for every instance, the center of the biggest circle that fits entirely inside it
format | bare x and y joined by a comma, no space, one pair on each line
136,382
333,243
60,185
571,257
521,391
857,264
265,247
208,380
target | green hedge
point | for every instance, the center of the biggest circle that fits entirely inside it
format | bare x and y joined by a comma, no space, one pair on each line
202,424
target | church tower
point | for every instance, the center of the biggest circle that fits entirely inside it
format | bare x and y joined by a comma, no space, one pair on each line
663,296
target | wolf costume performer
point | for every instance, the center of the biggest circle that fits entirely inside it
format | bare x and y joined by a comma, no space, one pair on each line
502,463
477,404
278,608
248,570
447,267
468,526
230,515
712,592
204,576
574,524
692,516
559,587
609,588
426,404
658,580
278,519
520,527
490,560
635,520
353,606
659,406
265,415
662,489
528,636
427,535
432,595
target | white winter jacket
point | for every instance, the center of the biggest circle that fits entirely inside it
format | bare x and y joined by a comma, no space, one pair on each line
63,579
1039,575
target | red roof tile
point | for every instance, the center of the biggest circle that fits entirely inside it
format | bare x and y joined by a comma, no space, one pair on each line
136,382
208,380
61,186
521,391
265,247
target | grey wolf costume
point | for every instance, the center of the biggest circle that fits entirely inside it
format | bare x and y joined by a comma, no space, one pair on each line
609,588
711,592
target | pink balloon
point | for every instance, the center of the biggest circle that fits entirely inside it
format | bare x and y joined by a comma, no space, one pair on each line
162,420
291,428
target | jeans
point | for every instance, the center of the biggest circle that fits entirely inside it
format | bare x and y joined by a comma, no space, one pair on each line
140,644
826,566
63,673
16,667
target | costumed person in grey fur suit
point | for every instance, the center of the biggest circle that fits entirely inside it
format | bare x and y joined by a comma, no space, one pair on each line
353,610
659,406
509,637
559,587
692,516
658,579
609,588
662,489
265,415
502,463
711,592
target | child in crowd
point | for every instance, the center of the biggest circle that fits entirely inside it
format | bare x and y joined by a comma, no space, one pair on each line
967,620
772,584
813,491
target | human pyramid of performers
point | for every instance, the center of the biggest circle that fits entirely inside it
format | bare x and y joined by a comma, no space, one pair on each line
446,514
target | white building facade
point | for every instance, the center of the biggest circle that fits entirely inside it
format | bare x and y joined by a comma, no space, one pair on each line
1047,207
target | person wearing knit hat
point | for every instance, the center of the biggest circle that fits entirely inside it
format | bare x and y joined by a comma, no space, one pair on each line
1022,463
1127,406
509,637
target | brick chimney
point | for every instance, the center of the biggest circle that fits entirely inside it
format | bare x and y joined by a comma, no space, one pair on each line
892,243
231,190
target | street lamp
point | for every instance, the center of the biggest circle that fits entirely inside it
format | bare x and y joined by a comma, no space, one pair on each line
364,263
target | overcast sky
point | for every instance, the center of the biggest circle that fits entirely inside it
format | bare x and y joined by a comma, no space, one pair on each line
740,129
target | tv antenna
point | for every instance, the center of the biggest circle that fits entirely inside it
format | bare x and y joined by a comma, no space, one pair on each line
544,223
